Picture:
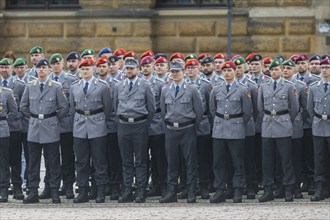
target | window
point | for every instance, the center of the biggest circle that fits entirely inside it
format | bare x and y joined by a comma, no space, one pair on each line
42,4
191,3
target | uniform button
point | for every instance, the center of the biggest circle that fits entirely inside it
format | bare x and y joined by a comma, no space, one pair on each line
273,104
39,121
274,98
40,100
325,105
85,98
40,108
325,98
85,118
85,105
226,100
225,112
226,106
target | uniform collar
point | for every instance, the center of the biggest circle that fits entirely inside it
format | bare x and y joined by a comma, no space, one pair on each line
89,81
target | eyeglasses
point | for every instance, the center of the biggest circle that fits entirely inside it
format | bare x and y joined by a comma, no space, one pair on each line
325,67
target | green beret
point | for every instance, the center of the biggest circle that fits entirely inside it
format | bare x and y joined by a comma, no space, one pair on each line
239,61
191,56
6,62
56,57
36,49
289,63
20,62
207,60
87,52
275,63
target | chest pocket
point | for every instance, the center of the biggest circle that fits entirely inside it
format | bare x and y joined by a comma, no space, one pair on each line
283,96
76,102
96,101
139,99
185,100
168,101
50,102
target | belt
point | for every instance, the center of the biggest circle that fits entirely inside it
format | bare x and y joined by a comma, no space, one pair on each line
88,113
179,125
158,110
2,118
275,113
132,120
323,117
228,116
42,116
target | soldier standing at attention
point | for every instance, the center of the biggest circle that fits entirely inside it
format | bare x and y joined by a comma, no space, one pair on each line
72,63
277,99
36,53
45,102
134,104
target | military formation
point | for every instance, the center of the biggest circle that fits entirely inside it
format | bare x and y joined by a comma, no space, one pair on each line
177,127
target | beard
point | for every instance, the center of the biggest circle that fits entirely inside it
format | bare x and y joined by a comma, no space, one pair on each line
207,73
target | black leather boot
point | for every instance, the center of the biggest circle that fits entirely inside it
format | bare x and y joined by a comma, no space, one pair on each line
92,192
204,191
154,191
46,193
3,194
218,197
289,193
32,197
251,193
183,194
170,195
62,190
69,191
191,197
82,196
126,195
237,195
268,194
100,194
229,193
318,195
279,192
297,192
18,192
139,195
115,189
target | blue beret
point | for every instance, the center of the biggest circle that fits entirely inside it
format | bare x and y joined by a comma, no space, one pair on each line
105,50
160,55
113,59
73,55
174,65
131,63
280,58
315,57
42,62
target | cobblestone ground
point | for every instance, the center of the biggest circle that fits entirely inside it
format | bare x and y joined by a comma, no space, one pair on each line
249,209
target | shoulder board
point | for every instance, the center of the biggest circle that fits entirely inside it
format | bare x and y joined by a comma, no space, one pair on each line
316,76
242,84
267,77
301,82
251,81
102,81
160,80
313,83
7,89
19,81
74,82
70,76
265,81
32,81
205,80
284,80
53,82
116,80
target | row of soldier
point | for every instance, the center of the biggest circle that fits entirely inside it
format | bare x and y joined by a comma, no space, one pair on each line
211,123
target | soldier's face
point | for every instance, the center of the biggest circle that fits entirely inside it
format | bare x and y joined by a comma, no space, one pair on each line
265,69
217,64
239,72
207,68
276,72
131,72
87,72
35,57
288,71
302,66
147,69
121,61
43,71
161,68
20,70
192,71
113,67
103,69
88,57
255,67
72,64
228,74
6,71
177,75
57,67
314,66
325,70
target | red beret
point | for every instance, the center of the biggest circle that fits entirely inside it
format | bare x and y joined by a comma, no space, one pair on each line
147,53
86,62
201,56
228,64
325,61
220,56
146,60
191,62
130,54
248,58
302,57
102,60
294,57
119,51
177,55
235,56
161,60
268,60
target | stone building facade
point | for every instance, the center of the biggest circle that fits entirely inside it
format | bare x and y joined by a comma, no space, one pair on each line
270,27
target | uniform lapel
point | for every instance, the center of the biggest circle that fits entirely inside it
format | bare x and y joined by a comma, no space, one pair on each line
278,87
135,87
46,88
91,87
181,91
232,89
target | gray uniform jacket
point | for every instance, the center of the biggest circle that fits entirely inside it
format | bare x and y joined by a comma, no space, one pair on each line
157,125
66,123
32,71
112,121
26,78
215,79
319,102
236,101
138,102
17,86
50,100
282,99
7,106
185,107
97,97
204,87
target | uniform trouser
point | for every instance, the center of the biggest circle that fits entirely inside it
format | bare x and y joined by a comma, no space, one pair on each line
183,140
156,144
284,147
26,156
15,158
67,156
52,153
132,140
250,162
321,157
115,171
204,145
4,162
236,150
95,149
308,156
258,156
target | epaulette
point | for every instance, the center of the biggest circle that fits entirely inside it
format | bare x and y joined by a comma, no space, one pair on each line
160,80
7,89
53,82
102,81
205,80
265,81
20,81
74,82
242,84
33,81
116,80
313,83
70,76
301,82
251,81
287,81
317,76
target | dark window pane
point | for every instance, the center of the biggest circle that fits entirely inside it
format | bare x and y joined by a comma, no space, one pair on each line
189,3
21,4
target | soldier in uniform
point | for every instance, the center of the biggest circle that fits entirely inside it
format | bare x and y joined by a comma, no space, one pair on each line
7,106
113,154
72,63
318,107
15,126
114,71
20,68
178,57
314,64
106,51
203,130
36,53
207,64
297,136
156,141
65,126
88,54
265,65
250,162
182,109
277,99
161,69
219,59
231,106
90,102
134,104
44,100
120,52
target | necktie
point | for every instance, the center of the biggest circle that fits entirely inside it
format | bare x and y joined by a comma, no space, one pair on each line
4,83
56,78
177,88
302,78
275,85
256,79
41,87
85,88
326,87
130,86
228,87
